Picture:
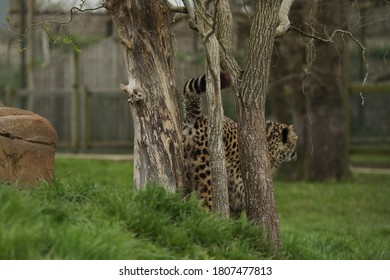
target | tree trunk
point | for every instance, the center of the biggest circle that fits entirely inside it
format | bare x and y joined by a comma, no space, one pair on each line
144,31
215,130
326,89
255,165
292,49
215,112
276,90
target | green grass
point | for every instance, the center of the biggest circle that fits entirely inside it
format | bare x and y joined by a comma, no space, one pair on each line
91,212
100,172
349,220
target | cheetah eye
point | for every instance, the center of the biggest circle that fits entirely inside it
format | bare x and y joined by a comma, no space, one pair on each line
284,135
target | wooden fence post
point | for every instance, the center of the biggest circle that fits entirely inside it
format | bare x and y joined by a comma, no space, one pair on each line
10,97
75,105
85,119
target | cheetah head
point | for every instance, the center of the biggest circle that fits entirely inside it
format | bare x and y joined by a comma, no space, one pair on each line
282,142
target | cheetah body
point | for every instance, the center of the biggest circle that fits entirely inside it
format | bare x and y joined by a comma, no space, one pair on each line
281,141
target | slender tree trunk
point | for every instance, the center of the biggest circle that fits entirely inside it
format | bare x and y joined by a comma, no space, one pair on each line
215,112
144,31
255,165
215,130
325,88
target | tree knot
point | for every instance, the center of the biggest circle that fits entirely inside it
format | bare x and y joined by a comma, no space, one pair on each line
133,92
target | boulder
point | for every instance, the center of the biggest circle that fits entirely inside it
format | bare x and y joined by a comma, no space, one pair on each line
27,148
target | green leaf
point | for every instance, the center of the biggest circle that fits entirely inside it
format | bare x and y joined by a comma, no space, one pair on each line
67,40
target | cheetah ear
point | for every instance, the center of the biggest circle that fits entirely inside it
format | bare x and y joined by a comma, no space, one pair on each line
269,125
284,135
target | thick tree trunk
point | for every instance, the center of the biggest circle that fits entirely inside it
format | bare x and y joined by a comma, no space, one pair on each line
250,87
255,165
292,49
318,102
325,89
144,31
276,91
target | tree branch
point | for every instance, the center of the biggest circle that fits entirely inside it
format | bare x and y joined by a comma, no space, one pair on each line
71,12
190,10
284,22
213,24
225,37
176,9
179,18
330,39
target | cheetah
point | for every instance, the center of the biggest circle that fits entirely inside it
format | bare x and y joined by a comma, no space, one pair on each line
281,139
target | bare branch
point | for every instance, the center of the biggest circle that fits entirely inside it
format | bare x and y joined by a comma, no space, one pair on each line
225,37
190,10
179,18
176,9
213,24
330,39
284,22
45,23
191,13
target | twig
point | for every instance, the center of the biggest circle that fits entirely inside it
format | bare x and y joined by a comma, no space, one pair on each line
246,10
40,24
330,39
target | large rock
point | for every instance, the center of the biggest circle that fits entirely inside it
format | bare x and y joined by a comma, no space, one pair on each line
27,147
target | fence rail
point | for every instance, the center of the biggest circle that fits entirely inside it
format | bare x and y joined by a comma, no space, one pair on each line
369,114
100,120
97,120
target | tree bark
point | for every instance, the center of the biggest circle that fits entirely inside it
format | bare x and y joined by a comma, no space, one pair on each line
215,130
250,87
326,88
215,112
224,30
144,31
255,165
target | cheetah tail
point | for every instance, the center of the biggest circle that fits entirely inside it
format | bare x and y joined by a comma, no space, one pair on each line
198,84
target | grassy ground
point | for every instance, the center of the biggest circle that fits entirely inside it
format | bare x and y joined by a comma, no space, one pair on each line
349,220
90,212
